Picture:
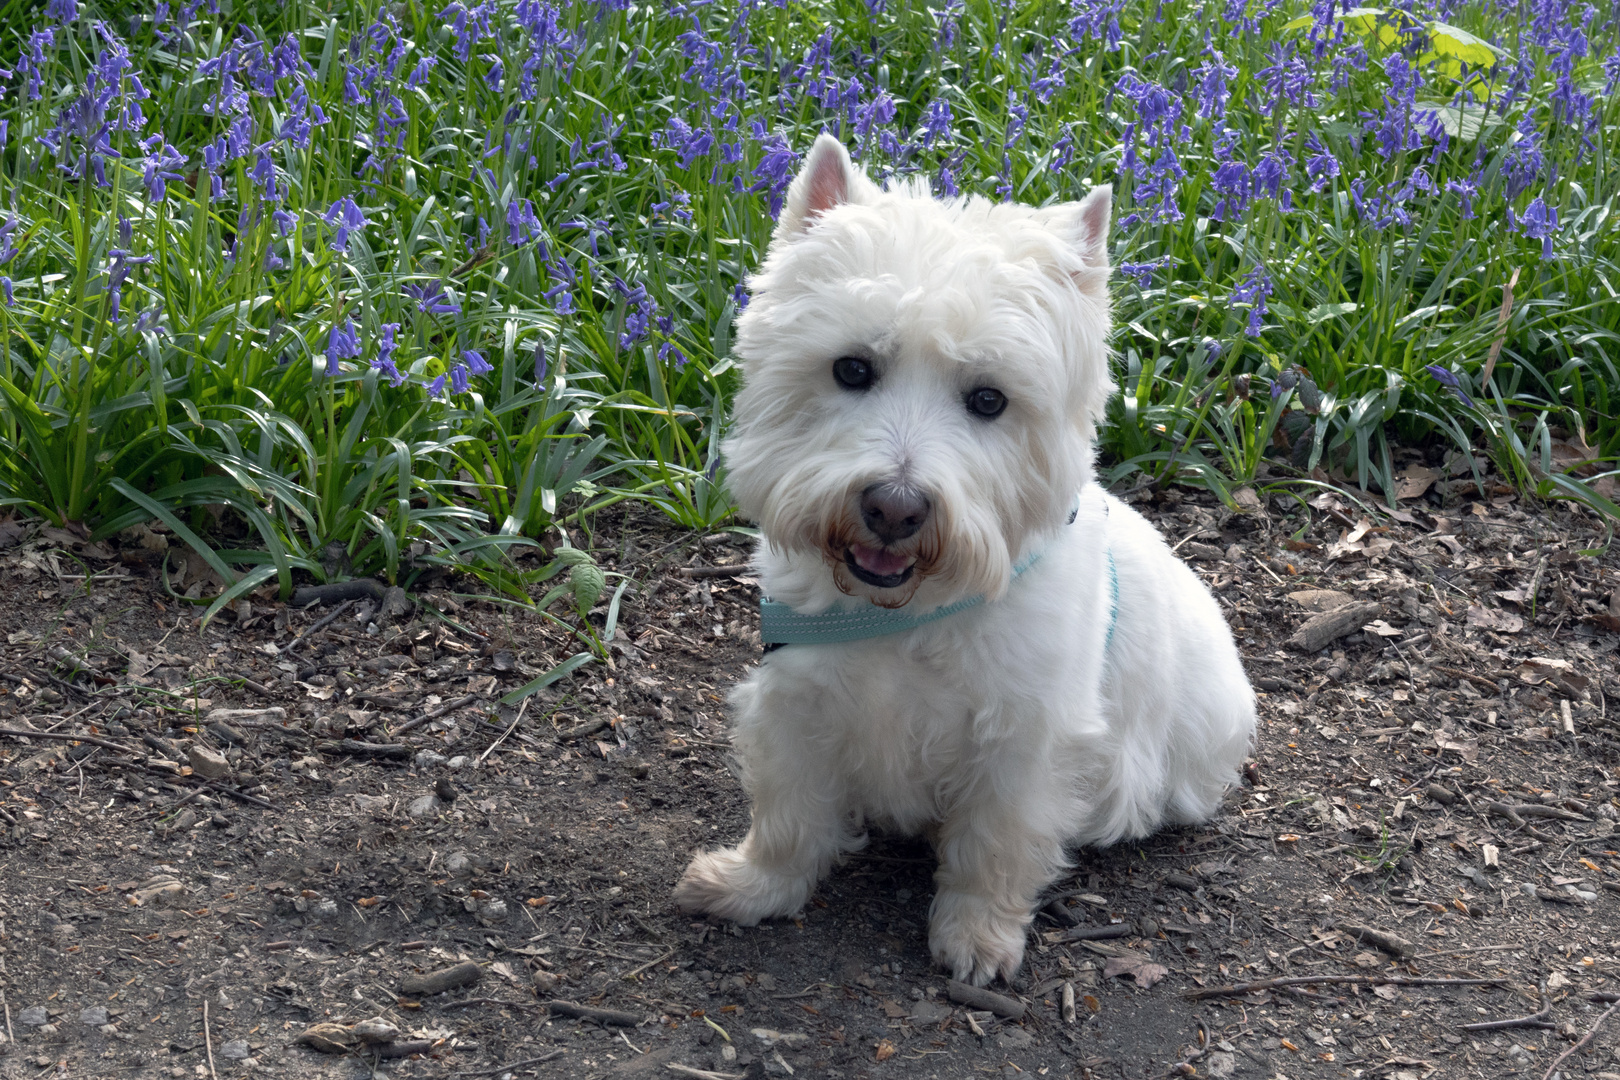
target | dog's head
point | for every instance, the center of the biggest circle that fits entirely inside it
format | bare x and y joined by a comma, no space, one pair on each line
922,380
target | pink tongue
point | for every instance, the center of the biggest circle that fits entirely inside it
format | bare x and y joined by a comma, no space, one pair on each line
878,561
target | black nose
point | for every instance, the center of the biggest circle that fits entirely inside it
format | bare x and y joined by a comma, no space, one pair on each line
893,513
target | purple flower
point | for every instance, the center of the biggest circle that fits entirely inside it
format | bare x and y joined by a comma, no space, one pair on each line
119,265
1524,160
540,366
431,298
384,360
1212,76
348,218
1538,222
1142,272
458,380
1467,191
1098,19
1320,165
342,343
476,364
5,288
1288,78
521,223
1253,290
419,74
1451,382
935,125
436,387
8,248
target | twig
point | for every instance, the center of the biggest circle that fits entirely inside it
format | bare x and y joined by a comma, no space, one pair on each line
65,736
604,1017
658,960
241,796
320,624
701,1074
1501,327
11,1036
1535,1020
448,707
1584,1040
1312,980
711,571
465,1002
1185,1066
208,1041
510,1065
516,720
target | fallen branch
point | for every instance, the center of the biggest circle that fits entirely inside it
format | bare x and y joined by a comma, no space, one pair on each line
364,749
1584,1040
1099,933
604,1017
320,624
1535,1020
1459,673
348,591
434,714
711,571
979,998
1337,980
437,982
64,736
1391,944
510,1065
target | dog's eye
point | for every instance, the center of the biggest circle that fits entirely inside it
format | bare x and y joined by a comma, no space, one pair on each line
853,373
986,401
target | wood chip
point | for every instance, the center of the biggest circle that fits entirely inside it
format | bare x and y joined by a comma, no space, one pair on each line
463,974
1396,946
975,997
1323,630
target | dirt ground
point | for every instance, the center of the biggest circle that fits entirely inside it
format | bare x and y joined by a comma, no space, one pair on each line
1431,798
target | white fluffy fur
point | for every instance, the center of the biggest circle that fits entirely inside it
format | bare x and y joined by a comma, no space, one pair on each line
1007,732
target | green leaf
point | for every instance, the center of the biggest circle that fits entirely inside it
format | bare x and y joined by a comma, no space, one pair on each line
1453,41
567,667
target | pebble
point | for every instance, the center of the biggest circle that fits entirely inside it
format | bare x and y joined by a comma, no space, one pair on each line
34,1016
460,761
427,759
425,807
95,1016
235,1050
458,862
209,764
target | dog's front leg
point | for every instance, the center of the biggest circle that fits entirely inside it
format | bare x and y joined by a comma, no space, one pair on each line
800,821
998,848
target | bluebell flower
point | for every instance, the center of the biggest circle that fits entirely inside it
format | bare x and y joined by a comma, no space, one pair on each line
1538,222
347,218
1451,382
342,343
1142,272
1212,76
476,364
935,125
419,74
1524,160
148,321
384,360
777,163
120,263
63,11
1466,190
1097,19
540,366
521,223
1320,165
459,382
5,289
158,167
8,247
431,298
436,387
1288,78
1254,290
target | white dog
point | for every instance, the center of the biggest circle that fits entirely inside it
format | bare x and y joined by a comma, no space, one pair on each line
990,649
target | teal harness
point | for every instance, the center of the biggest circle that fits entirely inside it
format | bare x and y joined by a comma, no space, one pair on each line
780,625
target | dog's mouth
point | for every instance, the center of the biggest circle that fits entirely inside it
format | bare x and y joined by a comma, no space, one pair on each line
879,568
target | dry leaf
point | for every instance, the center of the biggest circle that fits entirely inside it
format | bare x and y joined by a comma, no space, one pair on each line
885,1050
1138,967
1494,619
1415,481
1382,629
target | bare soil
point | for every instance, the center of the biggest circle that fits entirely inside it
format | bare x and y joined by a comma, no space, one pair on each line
154,923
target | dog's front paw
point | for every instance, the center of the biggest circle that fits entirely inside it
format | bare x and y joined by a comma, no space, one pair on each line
726,883
976,939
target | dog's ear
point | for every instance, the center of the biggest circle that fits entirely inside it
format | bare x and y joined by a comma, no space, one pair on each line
1091,226
828,179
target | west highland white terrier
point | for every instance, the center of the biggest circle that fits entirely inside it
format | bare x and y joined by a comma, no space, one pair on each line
984,646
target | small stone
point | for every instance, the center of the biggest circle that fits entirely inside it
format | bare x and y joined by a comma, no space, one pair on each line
425,807
326,909
376,1030
460,761
545,982
209,764
1014,1038
458,862
427,759
492,911
728,1053
95,1016
1222,1064
235,1050
34,1016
